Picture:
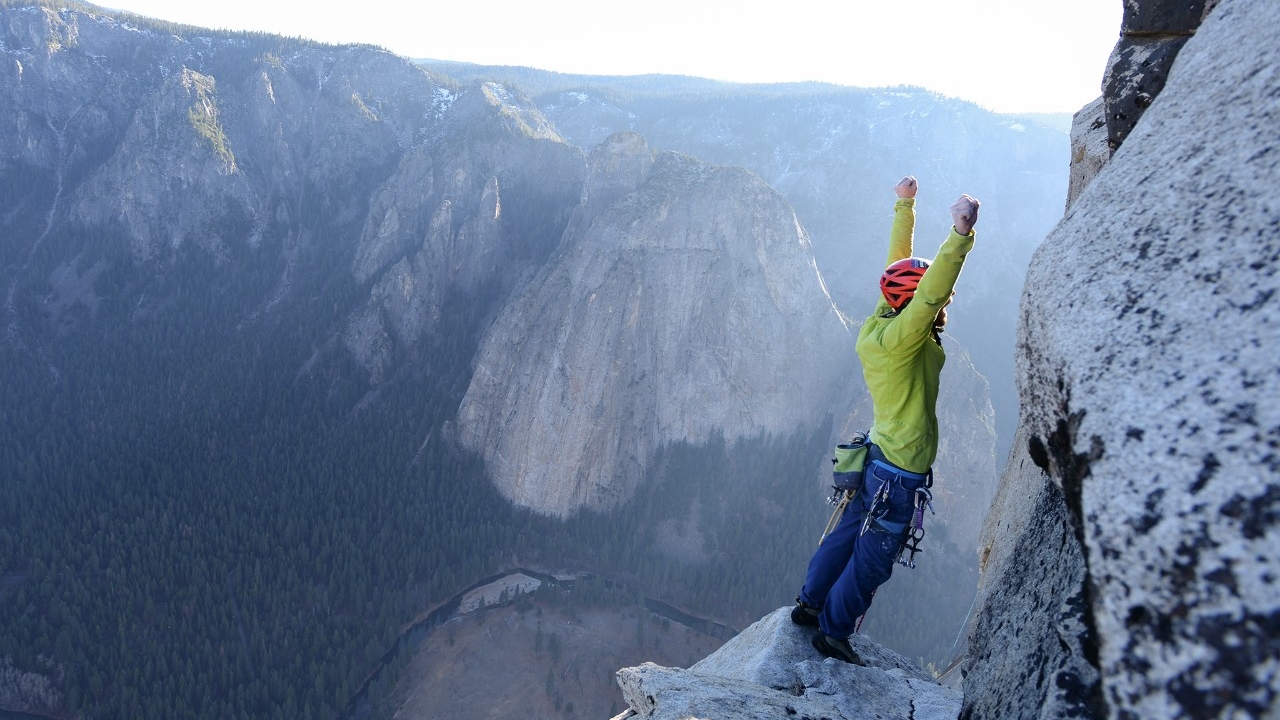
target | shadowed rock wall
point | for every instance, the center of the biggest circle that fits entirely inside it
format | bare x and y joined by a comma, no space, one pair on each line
1152,32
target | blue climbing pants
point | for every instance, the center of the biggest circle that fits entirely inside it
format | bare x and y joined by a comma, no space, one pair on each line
850,564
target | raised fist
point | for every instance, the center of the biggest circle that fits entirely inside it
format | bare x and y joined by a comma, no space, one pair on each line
906,187
964,214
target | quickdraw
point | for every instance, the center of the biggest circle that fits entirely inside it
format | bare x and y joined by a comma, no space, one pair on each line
880,502
915,530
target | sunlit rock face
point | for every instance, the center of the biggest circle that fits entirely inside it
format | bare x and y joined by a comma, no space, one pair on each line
1089,148
684,302
1148,362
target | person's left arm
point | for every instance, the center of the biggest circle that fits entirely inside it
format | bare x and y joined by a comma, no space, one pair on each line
915,322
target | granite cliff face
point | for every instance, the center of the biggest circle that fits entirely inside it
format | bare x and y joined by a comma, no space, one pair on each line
471,212
196,131
684,302
1148,475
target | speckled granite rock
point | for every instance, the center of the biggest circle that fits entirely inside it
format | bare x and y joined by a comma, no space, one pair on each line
1147,362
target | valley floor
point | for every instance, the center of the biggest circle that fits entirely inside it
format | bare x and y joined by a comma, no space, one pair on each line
537,659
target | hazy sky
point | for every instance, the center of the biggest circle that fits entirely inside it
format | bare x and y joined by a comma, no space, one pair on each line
1006,55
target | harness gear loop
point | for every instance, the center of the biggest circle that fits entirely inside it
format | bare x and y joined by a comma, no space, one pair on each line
841,500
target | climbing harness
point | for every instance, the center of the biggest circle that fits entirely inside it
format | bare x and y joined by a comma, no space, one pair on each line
912,531
914,528
850,460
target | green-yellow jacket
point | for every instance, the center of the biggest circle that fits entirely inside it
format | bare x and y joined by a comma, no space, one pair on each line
902,354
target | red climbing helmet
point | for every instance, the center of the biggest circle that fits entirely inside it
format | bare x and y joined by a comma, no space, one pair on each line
899,281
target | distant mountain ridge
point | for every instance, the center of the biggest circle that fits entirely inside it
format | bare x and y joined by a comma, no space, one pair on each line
546,83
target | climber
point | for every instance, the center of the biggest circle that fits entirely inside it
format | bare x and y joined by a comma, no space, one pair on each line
901,353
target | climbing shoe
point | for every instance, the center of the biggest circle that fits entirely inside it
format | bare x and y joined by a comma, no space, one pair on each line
838,648
804,615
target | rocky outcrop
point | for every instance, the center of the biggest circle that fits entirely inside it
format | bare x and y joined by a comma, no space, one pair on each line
627,327
1145,490
770,671
1089,148
1152,33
